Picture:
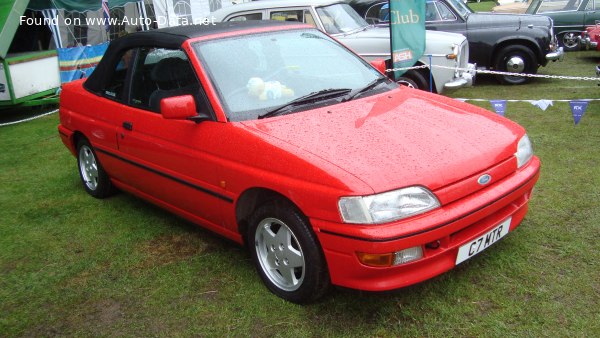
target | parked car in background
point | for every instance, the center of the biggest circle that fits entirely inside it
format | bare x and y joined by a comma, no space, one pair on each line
512,7
343,23
570,18
279,138
514,43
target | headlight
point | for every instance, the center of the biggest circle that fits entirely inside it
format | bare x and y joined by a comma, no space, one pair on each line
524,151
388,206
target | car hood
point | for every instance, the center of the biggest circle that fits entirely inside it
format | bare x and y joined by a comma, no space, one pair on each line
377,38
398,139
489,21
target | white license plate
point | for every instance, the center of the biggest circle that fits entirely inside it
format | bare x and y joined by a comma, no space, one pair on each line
482,242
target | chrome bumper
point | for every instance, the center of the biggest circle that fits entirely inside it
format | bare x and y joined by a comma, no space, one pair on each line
465,79
587,43
558,54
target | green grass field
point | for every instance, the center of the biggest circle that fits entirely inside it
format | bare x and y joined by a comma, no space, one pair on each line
72,265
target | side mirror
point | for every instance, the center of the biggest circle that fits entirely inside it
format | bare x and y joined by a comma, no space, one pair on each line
178,107
379,64
181,108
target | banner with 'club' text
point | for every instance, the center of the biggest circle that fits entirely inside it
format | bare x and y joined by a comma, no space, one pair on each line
407,28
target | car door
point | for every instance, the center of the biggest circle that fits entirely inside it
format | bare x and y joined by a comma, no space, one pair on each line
172,162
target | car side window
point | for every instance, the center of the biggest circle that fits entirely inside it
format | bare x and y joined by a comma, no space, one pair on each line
445,12
431,13
592,4
160,73
438,11
247,17
558,6
115,88
301,15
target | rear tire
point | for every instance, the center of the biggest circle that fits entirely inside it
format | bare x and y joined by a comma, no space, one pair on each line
95,180
286,253
570,41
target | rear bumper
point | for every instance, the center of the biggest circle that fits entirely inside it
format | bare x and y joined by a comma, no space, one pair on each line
66,137
452,226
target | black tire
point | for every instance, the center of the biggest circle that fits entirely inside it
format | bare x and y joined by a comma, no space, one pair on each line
570,41
515,59
95,180
286,253
413,79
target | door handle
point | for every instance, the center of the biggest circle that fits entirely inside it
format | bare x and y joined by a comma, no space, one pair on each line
128,125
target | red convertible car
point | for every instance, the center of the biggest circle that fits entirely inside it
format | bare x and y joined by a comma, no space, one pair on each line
276,136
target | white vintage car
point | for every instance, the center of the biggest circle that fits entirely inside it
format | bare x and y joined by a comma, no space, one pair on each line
446,52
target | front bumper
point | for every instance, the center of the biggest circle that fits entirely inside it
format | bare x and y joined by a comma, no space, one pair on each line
449,227
464,79
585,42
557,55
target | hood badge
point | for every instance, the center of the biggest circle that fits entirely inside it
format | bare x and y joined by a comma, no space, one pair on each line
484,179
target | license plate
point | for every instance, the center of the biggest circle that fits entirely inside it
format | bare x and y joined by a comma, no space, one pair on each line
482,242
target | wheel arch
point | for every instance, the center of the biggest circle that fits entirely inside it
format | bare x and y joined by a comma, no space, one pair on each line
560,37
77,135
534,47
250,200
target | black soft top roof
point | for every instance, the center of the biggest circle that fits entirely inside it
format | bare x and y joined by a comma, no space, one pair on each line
172,38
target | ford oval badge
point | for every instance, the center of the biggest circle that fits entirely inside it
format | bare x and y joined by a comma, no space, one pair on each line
484,179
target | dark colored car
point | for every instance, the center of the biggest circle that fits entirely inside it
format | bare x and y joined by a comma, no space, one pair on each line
570,18
514,43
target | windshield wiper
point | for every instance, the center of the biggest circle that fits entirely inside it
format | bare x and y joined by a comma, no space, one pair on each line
321,94
366,88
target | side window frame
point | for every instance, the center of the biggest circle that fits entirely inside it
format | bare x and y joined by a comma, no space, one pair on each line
244,14
439,5
202,102
125,91
304,11
377,8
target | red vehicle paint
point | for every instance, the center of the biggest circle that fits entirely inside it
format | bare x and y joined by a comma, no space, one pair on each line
590,38
336,177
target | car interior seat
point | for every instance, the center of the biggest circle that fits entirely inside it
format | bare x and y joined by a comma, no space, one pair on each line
174,77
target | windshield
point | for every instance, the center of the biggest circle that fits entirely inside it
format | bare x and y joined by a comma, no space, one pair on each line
340,18
462,8
254,74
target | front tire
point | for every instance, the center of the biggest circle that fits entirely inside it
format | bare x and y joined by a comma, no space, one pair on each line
413,79
95,180
515,59
286,253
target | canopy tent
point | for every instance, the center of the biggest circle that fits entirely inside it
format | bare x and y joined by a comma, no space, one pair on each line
75,5
30,30
10,12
